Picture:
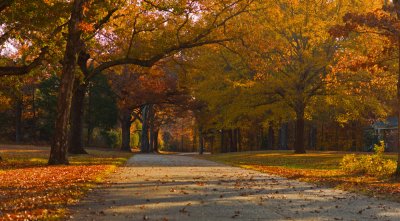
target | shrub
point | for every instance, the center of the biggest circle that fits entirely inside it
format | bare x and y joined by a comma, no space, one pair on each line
373,165
111,137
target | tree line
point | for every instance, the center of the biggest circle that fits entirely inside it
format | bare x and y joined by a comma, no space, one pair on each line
250,74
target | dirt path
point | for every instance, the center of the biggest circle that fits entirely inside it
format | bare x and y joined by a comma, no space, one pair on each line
169,187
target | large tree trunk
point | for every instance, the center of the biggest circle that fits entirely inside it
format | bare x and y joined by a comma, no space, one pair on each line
18,119
126,123
59,146
299,133
76,123
144,141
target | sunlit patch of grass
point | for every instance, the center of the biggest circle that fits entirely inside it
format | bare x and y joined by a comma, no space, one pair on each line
32,190
322,168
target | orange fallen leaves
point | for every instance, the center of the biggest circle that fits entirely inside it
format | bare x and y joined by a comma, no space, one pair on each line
32,190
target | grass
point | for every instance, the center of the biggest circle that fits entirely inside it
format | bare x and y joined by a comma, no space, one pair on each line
32,190
322,168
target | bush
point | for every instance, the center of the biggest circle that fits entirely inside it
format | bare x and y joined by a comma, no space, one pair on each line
373,165
111,137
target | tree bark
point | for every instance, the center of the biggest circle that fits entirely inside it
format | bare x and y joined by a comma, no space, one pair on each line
299,133
76,122
126,123
59,147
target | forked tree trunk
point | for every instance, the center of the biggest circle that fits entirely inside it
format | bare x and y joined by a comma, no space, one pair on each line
59,146
125,120
299,133
76,122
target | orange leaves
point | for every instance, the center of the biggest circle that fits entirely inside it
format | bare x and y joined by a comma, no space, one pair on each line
31,190
86,27
39,191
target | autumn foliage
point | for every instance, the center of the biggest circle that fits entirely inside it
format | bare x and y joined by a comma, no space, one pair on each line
31,190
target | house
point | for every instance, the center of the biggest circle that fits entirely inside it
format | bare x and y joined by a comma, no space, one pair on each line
386,131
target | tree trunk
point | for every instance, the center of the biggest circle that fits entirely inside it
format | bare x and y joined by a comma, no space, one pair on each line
76,122
18,119
230,134
223,141
201,141
155,146
34,117
239,139
126,123
151,130
235,140
144,141
283,137
271,136
59,146
299,133
89,117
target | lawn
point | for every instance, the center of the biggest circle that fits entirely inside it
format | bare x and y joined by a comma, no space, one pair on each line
321,168
32,190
